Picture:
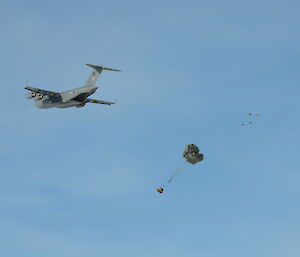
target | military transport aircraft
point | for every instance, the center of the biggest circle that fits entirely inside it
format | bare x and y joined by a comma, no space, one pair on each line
77,97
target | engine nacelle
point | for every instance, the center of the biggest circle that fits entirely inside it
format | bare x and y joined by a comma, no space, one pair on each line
39,96
31,95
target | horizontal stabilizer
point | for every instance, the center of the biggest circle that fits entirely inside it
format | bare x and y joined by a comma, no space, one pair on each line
101,67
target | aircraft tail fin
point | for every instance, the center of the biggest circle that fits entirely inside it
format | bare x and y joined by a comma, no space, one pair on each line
95,74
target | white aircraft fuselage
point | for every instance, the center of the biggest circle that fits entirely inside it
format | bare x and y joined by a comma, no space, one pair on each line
77,97
74,97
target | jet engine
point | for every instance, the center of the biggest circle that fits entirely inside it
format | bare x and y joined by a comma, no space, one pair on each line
39,96
31,95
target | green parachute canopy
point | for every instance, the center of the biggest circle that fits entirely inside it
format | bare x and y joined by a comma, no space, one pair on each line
192,154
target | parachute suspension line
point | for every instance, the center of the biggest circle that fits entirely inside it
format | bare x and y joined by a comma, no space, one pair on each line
177,171
179,167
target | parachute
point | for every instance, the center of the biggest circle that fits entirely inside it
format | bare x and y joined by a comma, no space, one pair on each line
191,155
251,117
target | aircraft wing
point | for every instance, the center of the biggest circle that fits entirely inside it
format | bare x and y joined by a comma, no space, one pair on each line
43,92
99,101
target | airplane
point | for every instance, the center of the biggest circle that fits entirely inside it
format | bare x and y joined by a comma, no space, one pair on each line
77,97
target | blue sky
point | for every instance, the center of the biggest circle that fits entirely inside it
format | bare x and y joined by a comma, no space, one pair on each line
81,182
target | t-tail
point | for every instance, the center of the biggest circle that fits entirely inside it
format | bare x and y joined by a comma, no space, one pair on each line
95,74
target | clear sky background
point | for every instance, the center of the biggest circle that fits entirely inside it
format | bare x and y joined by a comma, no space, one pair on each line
81,182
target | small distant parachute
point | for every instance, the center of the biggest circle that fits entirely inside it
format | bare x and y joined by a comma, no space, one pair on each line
251,116
191,155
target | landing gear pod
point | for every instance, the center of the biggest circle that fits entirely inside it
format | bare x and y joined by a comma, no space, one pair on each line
160,190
